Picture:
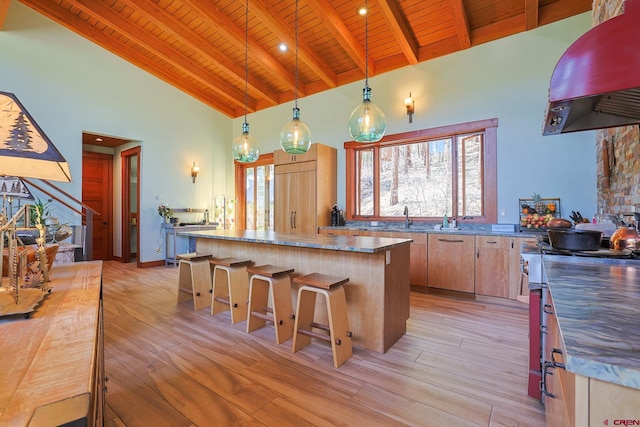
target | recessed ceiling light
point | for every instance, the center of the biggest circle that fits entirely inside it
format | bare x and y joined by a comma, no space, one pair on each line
98,139
362,11
283,47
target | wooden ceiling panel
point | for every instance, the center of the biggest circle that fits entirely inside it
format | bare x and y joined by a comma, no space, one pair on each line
198,46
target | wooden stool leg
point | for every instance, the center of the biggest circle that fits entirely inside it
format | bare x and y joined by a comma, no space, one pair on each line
201,283
339,326
282,308
185,289
238,293
304,317
258,298
220,290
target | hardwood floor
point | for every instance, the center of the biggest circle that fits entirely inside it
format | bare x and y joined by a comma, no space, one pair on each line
461,363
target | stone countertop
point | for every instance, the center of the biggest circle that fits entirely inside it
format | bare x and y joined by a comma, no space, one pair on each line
597,305
472,230
363,244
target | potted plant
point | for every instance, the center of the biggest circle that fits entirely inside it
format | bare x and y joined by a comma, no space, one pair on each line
165,212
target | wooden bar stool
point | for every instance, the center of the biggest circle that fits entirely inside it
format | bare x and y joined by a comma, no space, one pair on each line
230,287
270,280
338,328
194,279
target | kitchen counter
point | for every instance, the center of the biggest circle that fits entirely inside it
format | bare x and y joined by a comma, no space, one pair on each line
377,267
597,304
472,230
315,241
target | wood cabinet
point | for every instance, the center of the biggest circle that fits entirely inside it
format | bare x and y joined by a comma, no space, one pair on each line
492,265
305,189
498,266
54,361
451,263
418,252
417,257
575,400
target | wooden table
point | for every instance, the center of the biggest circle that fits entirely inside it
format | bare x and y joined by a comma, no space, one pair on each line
377,267
50,363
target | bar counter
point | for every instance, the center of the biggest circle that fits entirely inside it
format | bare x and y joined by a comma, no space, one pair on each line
377,267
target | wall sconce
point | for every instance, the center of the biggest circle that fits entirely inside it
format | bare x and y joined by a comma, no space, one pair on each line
194,172
411,107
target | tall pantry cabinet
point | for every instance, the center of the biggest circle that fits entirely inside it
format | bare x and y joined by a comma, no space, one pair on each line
305,189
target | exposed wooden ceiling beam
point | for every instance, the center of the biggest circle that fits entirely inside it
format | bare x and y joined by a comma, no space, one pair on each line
400,29
277,26
88,31
152,44
343,35
4,10
228,29
196,42
460,22
531,14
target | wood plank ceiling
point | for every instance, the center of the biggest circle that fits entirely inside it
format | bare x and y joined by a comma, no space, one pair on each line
198,46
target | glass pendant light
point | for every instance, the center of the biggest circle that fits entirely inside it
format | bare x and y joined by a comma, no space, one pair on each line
367,122
246,148
295,137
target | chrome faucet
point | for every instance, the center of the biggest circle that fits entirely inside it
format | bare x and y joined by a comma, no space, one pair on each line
407,221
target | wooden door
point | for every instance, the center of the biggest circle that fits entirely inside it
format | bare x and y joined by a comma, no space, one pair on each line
97,193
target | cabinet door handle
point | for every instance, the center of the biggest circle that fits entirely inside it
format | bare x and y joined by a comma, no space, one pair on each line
543,384
295,219
547,308
450,241
491,242
556,364
291,219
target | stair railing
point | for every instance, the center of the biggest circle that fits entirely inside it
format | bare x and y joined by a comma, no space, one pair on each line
85,212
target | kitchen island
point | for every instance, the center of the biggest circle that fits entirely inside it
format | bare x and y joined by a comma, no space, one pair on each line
377,267
595,304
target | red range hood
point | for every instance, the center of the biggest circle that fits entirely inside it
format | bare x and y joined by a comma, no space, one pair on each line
596,83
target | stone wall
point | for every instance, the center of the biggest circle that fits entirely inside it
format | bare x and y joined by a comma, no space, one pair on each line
618,190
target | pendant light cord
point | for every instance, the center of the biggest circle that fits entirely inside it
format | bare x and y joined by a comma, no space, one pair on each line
295,88
246,60
366,45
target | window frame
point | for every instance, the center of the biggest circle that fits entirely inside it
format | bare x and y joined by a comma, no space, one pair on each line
489,168
240,188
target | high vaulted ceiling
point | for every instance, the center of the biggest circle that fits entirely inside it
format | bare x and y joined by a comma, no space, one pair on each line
198,46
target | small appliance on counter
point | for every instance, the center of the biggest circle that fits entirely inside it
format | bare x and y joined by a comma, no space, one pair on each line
337,216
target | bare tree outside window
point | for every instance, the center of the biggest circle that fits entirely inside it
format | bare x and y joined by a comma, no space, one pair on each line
440,173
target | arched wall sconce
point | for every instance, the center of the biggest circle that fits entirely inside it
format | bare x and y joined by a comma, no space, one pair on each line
194,172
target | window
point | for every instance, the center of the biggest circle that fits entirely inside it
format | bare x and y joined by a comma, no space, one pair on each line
254,190
433,172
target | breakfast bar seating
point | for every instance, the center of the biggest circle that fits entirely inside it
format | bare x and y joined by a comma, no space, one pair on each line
339,335
230,287
271,281
194,279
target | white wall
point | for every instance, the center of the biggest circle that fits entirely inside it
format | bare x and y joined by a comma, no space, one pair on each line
507,79
69,85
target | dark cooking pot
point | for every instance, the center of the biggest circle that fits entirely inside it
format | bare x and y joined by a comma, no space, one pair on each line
575,240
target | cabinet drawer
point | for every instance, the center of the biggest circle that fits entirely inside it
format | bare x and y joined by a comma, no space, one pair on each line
499,242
